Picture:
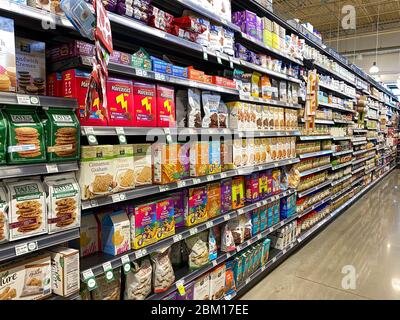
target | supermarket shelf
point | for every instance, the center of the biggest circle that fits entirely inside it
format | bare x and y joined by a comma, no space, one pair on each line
357,181
336,182
269,72
222,257
339,166
341,192
95,262
310,138
343,122
333,73
342,138
337,91
141,131
380,148
370,170
270,102
24,170
315,188
360,130
314,206
357,143
36,101
362,160
362,151
315,154
335,106
260,45
358,170
21,247
320,121
74,296
314,170
155,189
340,153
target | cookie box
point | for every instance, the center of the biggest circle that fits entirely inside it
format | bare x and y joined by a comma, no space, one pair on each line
238,196
25,136
214,153
75,85
143,224
64,202
255,221
54,86
145,106
96,174
197,203
165,106
226,195
8,76
88,241
26,279
165,218
65,271
52,6
124,169
161,66
180,72
4,235
213,199
265,251
202,288
217,282
141,60
115,233
166,164
62,135
199,158
120,102
252,187
276,212
142,163
180,201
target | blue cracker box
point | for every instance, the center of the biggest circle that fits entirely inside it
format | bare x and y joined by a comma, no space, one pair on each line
263,218
276,212
180,72
161,66
265,251
255,221
237,270
214,160
247,264
270,215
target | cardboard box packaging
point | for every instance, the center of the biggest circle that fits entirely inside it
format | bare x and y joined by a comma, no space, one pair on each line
238,196
65,271
202,288
145,105
165,218
197,204
8,76
199,158
54,87
89,241
115,233
166,163
217,282
123,163
142,162
166,107
120,102
143,224
214,157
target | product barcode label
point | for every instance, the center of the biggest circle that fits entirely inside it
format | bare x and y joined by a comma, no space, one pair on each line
177,238
87,274
21,249
193,231
107,266
51,167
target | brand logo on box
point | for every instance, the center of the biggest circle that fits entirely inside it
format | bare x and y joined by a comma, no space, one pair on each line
18,118
28,188
121,89
62,118
7,278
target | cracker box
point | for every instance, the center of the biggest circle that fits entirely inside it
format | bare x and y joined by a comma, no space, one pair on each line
143,224
199,158
142,160
252,187
262,185
184,160
115,233
255,221
25,136
166,106
197,204
54,86
238,197
62,135
30,58
27,213
202,288
141,60
8,75
263,218
52,6
75,84
265,251
89,241
120,102
65,271
276,212
26,279
165,218
3,215
64,202
226,195
213,199
214,153
124,167
180,200
270,215
166,164
145,105
161,66
217,282
96,174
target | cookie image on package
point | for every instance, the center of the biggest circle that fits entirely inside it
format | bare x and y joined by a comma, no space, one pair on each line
28,136
29,215
65,211
8,293
65,143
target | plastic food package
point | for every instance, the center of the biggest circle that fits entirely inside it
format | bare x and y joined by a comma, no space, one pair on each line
211,104
190,24
163,273
222,115
212,245
198,250
108,290
227,240
138,281
194,108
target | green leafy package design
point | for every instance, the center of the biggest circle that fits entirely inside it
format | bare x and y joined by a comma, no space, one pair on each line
62,135
3,139
25,136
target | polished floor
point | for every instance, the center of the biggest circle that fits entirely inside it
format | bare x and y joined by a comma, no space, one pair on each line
356,257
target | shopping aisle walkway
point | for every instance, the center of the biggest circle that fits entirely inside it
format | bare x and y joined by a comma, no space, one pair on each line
366,237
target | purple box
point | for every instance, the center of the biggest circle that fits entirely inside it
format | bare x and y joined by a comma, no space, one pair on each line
132,12
262,185
251,183
259,29
226,195
189,290
143,5
247,21
180,207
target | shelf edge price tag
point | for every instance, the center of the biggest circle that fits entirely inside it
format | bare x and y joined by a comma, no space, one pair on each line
91,137
230,63
226,217
177,238
181,184
193,231
21,249
51,167
89,279
210,178
214,263
115,197
218,57
223,175
180,286
108,271
168,136
205,54
126,263
209,224
121,135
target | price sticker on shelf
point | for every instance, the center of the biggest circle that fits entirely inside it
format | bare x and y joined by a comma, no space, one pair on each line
164,188
21,249
121,135
214,263
205,54
273,259
144,73
180,285
91,137
263,268
28,100
240,211
217,54
159,76
259,236
181,184
230,63
223,175
210,178
139,72
247,280
258,204
52,167
122,196
108,271
177,238
209,224
93,203
284,251
226,217
193,231
126,263
115,198
89,279
196,181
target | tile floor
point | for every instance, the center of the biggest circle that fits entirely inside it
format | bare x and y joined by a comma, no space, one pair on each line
364,240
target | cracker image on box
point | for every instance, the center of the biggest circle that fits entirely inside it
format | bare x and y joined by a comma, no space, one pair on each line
142,160
25,136
27,211
124,166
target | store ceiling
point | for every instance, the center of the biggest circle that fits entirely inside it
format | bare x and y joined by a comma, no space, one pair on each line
326,15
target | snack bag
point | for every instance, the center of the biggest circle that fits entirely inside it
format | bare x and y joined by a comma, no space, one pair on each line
138,281
198,250
163,273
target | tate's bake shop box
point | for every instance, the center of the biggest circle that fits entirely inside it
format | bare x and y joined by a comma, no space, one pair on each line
31,66
52,6
26,279
65,271
124,167
8,77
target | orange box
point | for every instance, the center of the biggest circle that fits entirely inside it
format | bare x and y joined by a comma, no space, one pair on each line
208,79
199,158
213,199
194,74
219,81
230,83
166,164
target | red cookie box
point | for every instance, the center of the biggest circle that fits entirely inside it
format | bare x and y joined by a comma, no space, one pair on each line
75,85
224,82
120,102
54,86
145,112
165,107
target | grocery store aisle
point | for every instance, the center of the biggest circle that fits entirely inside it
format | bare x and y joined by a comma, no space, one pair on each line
364,239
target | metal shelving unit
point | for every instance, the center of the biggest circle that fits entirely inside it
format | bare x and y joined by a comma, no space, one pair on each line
315,154
313,189
36,101
314,170
270,102
14,171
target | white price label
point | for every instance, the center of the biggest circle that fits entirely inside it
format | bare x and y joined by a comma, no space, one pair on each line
107,266
228,297
23,99
274,260
240,211
219,60
125,259
259,236
177,238
159,76
93,203
120,130
210,178
122,196
144,73
205,54
223,175
21,249
87,274
164,188
115,198
33,246
263,268
89,130
139,254
226,217
181,184
209,224
258,204
247,280
214,263
196,181
284,251
139,72
193,231
52,167
230,63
